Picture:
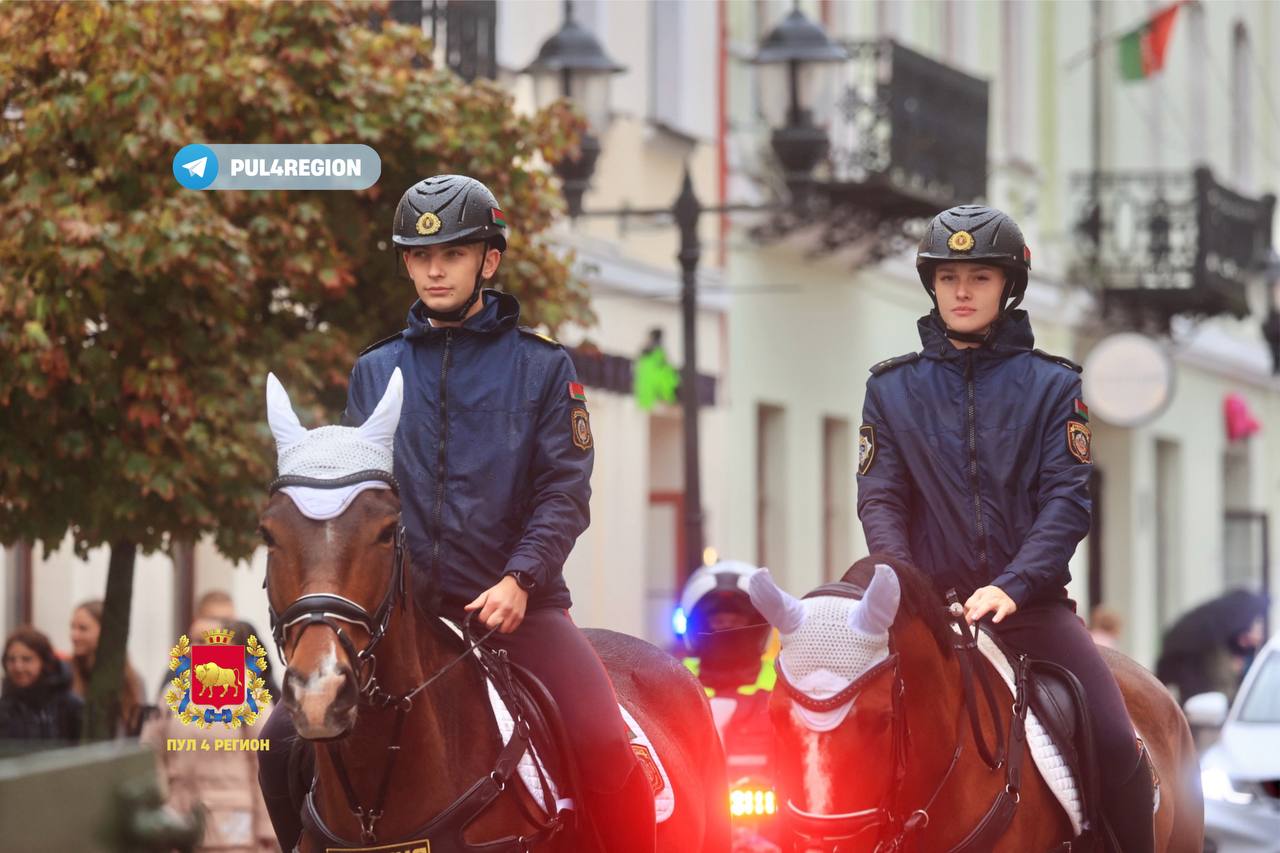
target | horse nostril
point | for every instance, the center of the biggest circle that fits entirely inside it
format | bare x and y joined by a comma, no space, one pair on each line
289,689
348,694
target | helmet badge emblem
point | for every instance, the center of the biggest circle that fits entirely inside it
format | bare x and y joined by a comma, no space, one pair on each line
428,224
961,241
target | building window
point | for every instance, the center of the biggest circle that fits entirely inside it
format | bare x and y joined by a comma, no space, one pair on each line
771,487
666,65
837,487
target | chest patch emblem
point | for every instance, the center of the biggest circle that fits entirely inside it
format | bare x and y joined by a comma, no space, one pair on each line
580,429
1078,440
866,447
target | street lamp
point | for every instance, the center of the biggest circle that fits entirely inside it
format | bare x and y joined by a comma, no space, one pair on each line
572,64
802,50
798,67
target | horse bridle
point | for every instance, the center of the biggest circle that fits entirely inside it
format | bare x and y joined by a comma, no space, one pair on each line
329,609
833,833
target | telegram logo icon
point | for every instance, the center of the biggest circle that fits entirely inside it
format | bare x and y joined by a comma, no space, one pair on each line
195,166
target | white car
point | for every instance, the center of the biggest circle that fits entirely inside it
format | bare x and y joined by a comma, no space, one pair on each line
1240,773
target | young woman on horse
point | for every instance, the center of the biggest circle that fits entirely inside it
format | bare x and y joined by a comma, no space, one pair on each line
974,465
493,455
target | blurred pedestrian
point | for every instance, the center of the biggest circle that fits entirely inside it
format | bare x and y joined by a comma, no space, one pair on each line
36,702
86,629
1209,648
216,604
1105,625
224,782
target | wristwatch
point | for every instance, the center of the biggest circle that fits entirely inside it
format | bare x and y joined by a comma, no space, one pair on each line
524,580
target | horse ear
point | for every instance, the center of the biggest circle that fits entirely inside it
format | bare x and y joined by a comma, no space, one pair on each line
380,428
782,611
879,605
284,422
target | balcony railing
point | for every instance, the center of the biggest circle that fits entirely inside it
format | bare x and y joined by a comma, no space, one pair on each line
1162,244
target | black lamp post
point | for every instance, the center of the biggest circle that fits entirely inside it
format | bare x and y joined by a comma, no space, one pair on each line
800,48
572,64
797,63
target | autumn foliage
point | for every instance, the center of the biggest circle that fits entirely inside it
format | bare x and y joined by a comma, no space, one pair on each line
138,319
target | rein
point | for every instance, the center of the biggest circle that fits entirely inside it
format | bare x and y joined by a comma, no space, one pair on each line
835,833
327,609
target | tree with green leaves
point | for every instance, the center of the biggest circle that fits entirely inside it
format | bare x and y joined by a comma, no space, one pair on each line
138,319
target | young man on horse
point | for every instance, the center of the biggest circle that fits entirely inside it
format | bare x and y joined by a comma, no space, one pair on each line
493,455
974,465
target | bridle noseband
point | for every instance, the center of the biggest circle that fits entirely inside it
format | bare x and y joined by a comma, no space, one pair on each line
329,609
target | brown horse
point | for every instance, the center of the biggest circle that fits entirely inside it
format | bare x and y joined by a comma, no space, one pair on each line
875,744
402,713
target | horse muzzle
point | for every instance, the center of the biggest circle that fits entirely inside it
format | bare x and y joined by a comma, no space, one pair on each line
323,704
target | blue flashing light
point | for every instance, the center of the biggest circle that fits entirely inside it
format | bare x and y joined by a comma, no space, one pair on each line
678,621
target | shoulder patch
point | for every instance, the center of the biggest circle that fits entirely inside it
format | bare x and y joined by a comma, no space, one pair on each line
891,363
534,333
1065,362
388,339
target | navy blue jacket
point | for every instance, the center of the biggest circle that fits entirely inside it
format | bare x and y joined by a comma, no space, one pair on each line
493,477
969,466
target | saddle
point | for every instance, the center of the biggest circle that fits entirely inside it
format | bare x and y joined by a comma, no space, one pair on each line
1058,700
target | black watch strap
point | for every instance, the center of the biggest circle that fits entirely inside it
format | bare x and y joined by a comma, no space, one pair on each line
524,580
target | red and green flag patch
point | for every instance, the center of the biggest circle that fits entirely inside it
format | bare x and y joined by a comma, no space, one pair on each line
499,218
577,392
1080,410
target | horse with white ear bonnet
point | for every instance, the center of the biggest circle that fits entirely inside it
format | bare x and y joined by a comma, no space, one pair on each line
828,641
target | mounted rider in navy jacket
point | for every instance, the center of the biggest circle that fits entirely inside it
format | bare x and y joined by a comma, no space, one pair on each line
494,455
974,464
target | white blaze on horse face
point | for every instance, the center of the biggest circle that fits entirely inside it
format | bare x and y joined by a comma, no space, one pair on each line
316,695
817,776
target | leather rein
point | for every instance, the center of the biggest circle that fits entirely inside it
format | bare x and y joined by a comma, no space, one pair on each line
328,609
893,832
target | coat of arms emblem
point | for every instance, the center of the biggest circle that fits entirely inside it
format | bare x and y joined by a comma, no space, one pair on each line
217,681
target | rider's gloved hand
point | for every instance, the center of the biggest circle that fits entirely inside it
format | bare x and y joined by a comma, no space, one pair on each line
502,605
989,599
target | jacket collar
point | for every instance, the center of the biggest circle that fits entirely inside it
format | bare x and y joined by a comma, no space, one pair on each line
501,312
1013,335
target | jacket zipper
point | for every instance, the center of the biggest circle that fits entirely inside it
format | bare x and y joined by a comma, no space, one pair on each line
440,454
973,460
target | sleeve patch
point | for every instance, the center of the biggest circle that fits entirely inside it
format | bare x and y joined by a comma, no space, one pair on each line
866,448
1078,441
577,392
580,429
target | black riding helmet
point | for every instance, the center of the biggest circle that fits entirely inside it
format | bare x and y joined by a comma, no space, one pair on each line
449,209
974,232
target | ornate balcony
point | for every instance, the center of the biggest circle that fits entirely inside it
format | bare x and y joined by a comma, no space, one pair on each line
1162,244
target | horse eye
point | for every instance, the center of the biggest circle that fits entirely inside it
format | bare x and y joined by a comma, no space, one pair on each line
267,538
387,536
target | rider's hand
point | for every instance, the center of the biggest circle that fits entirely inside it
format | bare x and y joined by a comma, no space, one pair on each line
989,599
501,605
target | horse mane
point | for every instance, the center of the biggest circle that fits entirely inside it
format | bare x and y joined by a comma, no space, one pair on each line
920,600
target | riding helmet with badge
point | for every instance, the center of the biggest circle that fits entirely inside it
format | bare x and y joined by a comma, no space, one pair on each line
449,209
976,233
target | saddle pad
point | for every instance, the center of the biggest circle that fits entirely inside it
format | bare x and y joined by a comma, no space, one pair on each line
531,766
1044,752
